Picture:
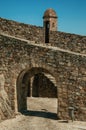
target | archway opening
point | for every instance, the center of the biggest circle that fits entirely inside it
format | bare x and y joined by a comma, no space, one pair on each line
37,87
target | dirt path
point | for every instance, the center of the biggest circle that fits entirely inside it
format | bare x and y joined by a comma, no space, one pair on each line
41,116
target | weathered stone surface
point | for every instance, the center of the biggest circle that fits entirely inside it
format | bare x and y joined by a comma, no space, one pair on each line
21,60
5,108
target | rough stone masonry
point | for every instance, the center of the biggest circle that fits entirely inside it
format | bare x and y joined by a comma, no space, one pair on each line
25,59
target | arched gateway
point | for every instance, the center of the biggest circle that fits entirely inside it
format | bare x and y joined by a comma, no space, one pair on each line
26,84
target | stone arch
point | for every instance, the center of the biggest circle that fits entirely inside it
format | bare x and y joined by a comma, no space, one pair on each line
22,85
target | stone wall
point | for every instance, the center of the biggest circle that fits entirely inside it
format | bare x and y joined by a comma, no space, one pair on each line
67,41
21,30
20,60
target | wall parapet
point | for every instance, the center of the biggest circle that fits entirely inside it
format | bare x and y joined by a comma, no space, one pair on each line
72,42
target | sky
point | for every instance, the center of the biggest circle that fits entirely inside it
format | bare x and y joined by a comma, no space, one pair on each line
71,13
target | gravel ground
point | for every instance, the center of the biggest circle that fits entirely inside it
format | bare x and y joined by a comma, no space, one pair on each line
41,116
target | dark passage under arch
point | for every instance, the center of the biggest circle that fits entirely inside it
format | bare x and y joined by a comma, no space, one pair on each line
42,87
